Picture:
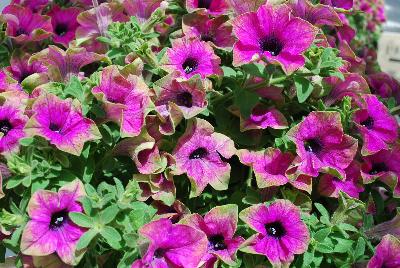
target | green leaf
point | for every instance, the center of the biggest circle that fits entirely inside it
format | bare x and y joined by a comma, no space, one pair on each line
81,219
109,214
304,88
86,238
255,69
360,248
112,236
322,210
322,234
324,248
26,141
245,101
74,89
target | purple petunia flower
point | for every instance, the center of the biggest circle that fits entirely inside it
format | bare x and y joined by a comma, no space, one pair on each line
377,126
189,57
23,25
318,15
62,123
384,85
62,65
272,34
34,5
321,144
126,100
280,231
171,245
345,4
64,24
141,9
387,253
212,7
200,152
330,185
217,31
7,83
219,224
50,228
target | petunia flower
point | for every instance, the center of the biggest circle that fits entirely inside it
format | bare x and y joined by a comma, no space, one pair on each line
64,24
189,57
126,100
378,128
200,152
62,65
30,75
212,7
318,15
219,224
7,83
270,167
272,34
351,63
330,185
387,253
384,85
61,122
174,212
280,231
50,229
384,166
345,4
321,144
171,245
388,227
35,5
217,31
23,25
157,186
243,6
141,9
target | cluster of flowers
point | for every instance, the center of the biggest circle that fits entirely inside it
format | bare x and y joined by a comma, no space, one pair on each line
194,99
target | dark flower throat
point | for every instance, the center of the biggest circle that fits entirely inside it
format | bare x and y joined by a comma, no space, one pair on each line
275,229
272,45
217,242
199,153
58,219
190,65
5,126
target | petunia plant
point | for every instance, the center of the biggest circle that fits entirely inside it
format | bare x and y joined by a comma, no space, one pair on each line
197,134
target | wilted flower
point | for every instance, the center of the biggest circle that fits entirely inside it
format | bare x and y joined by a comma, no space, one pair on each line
321,144
318,15
141,9
200,152
387,253
23,25
212,7
126,99
219,224
280,231
377,126
189,57
64,24
281,39
157,186
175,245
50,228
174,212
62,123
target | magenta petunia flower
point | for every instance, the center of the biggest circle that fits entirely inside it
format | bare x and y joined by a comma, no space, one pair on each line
50,228
212,7
217,31
318,15
384,85
387,253
64,24
7,83
62,65
34,5
126,100
321,144
12,123
62,123
200,152
174,212
219,224
171,245
330,185
280,231
345,4
23,25
378,128
32,75
351,62
243,6
270,167
272,34
141,9
384,166
263,117
189,57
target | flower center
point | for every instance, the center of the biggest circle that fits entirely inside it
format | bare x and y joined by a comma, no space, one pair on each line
368,123
24,75
275,229
216,242
377,168
58,219
204,4
199,153
159,253
313,146
5,126
272,45
190,65
61,29
21,31
185,99
55,127
207,37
